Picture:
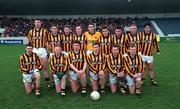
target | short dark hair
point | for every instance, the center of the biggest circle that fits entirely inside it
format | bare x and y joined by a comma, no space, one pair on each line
147,24
67,26
114,45
118,27
133,24
76,42
58,45
90,23
29,45
96,43
105,27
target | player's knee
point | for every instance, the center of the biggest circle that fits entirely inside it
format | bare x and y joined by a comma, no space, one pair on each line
102,76
138,80
38,77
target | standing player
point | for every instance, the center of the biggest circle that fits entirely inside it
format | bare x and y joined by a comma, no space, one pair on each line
59,65
97,63
77,61
148,42
67,39
133,38
38,38
79,37
116,70
134,68
91,36
30,65
119,39
54,38
105,41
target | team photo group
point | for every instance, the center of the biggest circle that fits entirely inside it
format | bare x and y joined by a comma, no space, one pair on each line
102,58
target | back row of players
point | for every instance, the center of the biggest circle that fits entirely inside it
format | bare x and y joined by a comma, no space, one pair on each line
122,57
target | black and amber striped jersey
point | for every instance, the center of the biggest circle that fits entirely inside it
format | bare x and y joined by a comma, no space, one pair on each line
105,44
120,41
77,59
29,62
115,64
67,42
81,39
148,41
53,41
133,39
133,65
90,39
38,38
96,62
59,64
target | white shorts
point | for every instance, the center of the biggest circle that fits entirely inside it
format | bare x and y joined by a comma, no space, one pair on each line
41,52
88,52
112,78
93,76
29,77
148,59
130,80
56,79
73,75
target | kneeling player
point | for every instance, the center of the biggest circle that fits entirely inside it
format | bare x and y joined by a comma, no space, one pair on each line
116,70
30,65
134,68
97,62
58,65
77,61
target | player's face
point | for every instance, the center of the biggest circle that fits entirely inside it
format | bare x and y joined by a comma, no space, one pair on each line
118,32
147,29
54,29
29,50
115,51
76,46
132,50
66,31
91,28
57,50
105,32
133,29
78,30
96,48
37,23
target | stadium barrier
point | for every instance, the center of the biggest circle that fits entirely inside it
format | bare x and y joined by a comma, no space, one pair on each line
13,40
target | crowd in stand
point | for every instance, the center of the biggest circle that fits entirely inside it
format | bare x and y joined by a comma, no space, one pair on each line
18,26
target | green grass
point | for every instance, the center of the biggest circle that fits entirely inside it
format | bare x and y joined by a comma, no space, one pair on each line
167,72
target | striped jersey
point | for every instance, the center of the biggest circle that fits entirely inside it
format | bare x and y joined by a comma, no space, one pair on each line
77,59
148,41
115,64
133,65
96,62
29,62
38,38
53,41
59,64
120,41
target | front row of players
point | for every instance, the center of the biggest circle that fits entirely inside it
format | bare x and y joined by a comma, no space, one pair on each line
122,71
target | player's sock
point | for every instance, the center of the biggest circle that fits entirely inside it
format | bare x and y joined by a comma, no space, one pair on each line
48,83
83,92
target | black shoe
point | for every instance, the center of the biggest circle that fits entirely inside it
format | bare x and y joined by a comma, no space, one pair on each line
63,94
138,93
154,83
37,93
83,92
103,93
122,91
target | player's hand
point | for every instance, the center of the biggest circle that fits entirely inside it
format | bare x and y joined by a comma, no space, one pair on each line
101,72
